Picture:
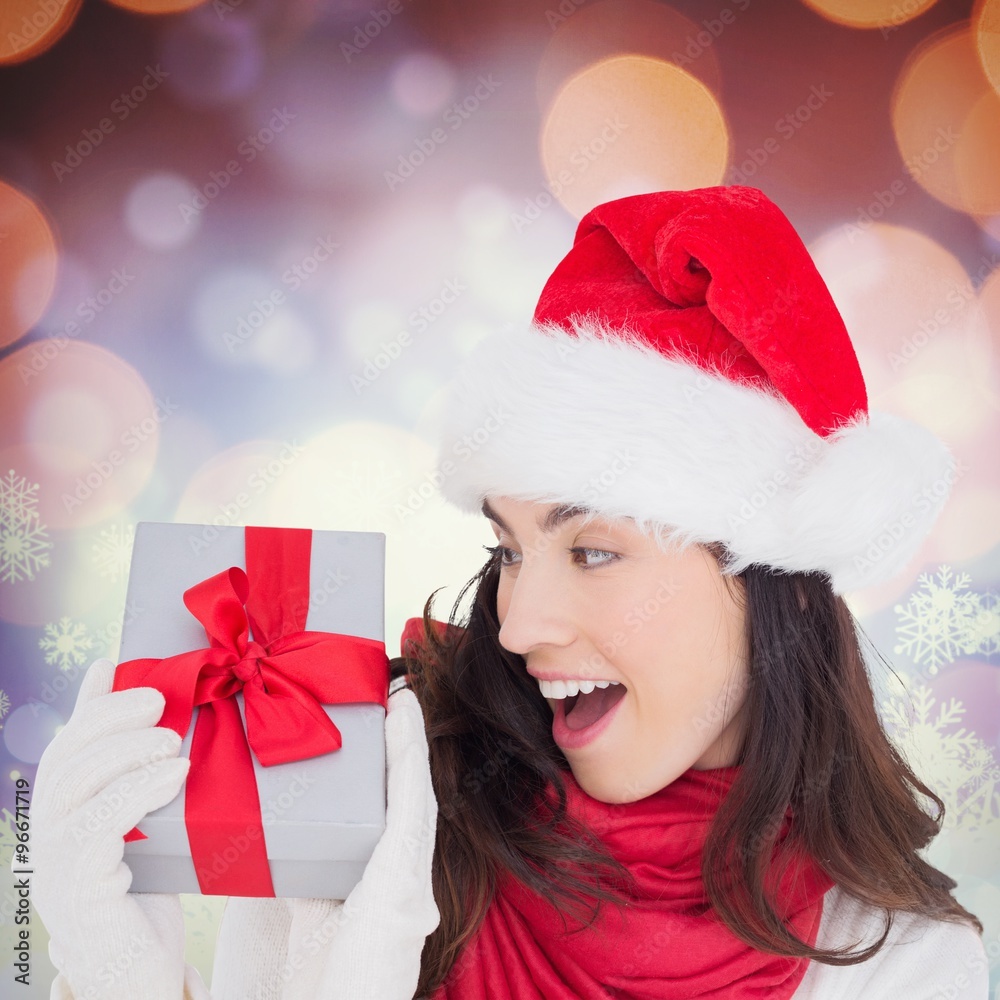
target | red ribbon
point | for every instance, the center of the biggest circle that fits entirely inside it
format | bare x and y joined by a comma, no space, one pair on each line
285,673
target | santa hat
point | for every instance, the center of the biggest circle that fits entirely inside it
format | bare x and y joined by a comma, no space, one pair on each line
687,367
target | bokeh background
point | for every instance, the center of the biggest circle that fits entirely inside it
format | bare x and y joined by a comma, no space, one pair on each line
245,243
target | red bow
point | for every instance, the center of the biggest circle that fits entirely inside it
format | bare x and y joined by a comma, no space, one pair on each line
285,673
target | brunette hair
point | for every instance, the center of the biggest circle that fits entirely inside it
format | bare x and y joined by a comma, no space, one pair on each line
852,794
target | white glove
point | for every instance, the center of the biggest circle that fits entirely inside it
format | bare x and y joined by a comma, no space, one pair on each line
103,773
369,947
377,935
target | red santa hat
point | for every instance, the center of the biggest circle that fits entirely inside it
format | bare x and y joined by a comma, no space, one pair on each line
687,368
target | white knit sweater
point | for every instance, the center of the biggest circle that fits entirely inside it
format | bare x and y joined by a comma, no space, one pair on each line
921,959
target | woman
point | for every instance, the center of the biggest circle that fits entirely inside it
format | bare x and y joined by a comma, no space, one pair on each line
658,770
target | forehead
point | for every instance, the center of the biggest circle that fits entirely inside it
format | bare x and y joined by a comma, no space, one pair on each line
550,517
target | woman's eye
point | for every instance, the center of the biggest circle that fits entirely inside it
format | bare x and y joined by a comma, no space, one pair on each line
612,556
506,554
501,550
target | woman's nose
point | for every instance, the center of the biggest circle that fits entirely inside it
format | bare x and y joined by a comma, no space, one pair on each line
535,610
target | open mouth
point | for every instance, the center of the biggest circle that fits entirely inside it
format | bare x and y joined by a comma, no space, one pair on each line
580,711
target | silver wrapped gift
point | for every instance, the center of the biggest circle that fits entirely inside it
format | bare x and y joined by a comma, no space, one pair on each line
322,816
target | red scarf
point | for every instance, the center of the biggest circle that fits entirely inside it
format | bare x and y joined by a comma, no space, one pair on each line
666,945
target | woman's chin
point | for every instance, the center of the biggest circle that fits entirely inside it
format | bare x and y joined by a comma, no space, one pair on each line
605,786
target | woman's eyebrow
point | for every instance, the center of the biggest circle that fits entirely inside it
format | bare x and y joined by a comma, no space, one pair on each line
551,521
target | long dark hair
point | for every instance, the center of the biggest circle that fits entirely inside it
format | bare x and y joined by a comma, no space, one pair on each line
853,796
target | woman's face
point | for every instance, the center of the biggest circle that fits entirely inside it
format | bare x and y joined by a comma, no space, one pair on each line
603,603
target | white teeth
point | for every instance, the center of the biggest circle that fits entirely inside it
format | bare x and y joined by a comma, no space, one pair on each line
567,689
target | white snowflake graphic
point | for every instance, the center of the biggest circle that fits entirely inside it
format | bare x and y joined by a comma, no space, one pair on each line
945,620
4,704
18,500
24,540
112,552
984,628
374,488
953,761
66,642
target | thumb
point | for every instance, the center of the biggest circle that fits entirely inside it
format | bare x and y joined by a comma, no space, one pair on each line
97,681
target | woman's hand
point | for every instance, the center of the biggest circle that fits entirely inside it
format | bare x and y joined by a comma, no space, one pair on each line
368,947
105,770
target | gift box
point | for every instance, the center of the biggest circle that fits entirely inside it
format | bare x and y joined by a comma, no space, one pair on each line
268,645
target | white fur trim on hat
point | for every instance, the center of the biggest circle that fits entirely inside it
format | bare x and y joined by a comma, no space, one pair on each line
606,420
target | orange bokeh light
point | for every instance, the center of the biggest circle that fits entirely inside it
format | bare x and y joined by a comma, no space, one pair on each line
899,292
28,259
986,21
885,14
636,27
29,27
80,422
631,125
946,119
157,6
